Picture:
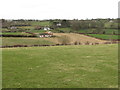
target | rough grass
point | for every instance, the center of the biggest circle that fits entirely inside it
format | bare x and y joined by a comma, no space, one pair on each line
107,31
26,27
15,33
83,66
37,31
103,36
110,31
43,23
24,41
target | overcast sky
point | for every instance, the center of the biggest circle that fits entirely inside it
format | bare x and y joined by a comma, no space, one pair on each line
58,9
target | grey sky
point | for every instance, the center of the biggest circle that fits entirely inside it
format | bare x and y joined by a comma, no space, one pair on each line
58,9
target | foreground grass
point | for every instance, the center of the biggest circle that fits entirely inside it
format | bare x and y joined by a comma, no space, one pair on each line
61,67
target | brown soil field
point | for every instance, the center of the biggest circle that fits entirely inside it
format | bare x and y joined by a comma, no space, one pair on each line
76,37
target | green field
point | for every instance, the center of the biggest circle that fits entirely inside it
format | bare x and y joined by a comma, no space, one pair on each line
107,31
103,36
110,31
85,31
42,23
37,31
22,33
82,66
15,33
24,41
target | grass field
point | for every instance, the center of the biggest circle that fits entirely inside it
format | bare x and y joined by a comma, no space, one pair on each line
15,33
83,66
37,31
103,36
22,33
107,31
6,41
43,23
110,31
85,31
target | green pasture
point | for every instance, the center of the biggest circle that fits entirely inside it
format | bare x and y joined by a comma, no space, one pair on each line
82,66
107,31
41,23
37,31
15,33
111,31
7,41
103,36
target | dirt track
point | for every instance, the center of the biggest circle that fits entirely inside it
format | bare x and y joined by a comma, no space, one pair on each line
76,37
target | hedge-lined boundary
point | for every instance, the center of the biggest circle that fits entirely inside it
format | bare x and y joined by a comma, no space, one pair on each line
17,36
87,43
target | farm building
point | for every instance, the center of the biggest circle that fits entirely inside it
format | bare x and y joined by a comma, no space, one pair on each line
58,24
13,27
46,28
46,34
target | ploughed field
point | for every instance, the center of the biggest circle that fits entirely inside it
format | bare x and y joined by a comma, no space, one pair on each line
76,66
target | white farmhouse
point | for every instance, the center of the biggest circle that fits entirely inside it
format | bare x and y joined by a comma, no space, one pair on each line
59,24
46,28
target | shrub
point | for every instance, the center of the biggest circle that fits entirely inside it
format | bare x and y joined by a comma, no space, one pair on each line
75,43
64,40
87,43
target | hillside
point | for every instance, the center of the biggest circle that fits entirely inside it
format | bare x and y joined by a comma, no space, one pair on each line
76,37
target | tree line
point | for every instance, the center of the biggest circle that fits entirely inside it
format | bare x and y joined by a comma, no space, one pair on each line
74,24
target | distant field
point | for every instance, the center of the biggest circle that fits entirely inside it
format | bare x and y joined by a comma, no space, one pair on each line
15,33
23,33
42,23
86,66
110,31
37,31
67,30
24,41
26,27
107,31
62,30
86,31
103,36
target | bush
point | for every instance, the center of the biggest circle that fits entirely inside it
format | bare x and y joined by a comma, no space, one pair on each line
64,40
